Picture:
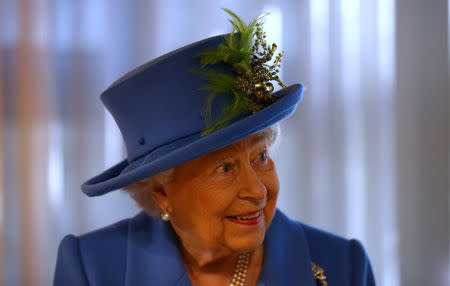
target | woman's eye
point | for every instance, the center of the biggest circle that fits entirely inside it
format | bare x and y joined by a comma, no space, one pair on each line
225,168
263,156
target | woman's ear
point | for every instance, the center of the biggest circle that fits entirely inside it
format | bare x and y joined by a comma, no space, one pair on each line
160,197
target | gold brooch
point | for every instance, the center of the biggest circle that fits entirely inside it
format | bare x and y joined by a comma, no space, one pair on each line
319,275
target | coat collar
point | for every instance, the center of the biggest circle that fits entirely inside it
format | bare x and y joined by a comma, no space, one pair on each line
153,257
286,254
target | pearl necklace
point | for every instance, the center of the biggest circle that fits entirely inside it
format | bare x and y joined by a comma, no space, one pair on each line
241,270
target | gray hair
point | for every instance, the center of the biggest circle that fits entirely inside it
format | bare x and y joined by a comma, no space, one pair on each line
141,192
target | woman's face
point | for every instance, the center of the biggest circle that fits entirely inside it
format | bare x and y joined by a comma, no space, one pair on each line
225,199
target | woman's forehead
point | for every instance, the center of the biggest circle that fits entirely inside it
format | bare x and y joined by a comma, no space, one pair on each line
244,144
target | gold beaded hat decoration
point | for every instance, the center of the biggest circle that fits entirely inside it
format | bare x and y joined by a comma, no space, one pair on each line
193,101
250,84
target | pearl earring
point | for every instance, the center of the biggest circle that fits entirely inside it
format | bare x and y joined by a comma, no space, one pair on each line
165,216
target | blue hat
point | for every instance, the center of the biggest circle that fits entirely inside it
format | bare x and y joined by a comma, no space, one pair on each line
160,110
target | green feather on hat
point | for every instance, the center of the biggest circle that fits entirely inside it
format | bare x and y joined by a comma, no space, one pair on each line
250,85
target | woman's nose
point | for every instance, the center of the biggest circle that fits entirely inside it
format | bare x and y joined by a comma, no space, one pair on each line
251,185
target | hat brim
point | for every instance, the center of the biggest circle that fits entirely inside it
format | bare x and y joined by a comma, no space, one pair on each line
192,147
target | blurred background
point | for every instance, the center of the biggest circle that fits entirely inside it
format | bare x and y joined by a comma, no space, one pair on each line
365,155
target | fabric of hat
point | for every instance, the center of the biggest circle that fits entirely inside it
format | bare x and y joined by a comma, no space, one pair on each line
163,108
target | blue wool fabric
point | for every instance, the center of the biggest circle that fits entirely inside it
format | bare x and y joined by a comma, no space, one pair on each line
143,251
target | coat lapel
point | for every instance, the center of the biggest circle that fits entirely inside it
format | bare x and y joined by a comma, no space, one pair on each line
153,257
286,254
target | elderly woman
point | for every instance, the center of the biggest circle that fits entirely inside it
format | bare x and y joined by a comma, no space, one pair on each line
197,124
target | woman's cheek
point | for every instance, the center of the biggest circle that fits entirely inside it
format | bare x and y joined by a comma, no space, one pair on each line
272,186
275,187
270,180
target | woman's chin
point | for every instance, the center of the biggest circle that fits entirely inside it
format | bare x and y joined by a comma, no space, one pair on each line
245,241
245,235
245,244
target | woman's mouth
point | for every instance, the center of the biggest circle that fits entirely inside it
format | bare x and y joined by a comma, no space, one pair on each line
247,219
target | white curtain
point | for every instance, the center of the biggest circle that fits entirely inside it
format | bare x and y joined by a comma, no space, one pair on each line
365,155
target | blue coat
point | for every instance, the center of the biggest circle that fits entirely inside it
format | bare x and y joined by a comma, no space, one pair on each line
143,251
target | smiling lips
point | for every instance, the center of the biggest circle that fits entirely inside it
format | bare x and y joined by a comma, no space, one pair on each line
248,218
